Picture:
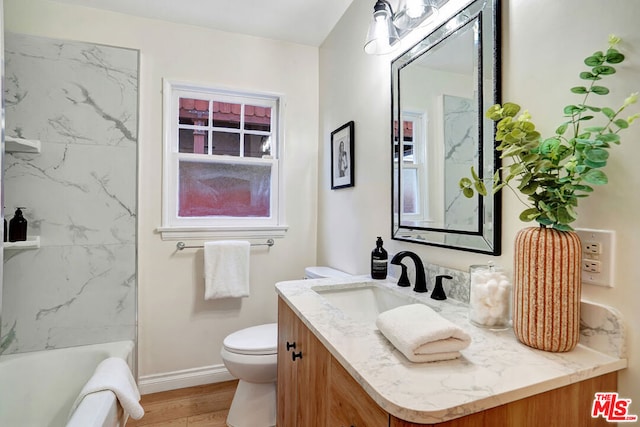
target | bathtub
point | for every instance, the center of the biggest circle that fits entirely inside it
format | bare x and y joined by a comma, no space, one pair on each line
38,389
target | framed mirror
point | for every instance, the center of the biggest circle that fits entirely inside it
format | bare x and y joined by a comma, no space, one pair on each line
441,88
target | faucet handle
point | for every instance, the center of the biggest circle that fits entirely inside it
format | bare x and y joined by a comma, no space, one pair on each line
438,290
404,277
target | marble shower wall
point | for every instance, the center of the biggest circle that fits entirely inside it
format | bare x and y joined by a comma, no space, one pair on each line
80,100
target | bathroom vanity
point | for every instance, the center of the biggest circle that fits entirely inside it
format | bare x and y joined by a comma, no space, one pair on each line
336,369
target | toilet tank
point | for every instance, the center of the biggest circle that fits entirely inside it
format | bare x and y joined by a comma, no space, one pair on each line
320,272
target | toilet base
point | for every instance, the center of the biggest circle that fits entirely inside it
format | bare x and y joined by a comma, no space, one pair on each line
253,405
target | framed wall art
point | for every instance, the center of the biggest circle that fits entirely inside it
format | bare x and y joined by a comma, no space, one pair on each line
342,156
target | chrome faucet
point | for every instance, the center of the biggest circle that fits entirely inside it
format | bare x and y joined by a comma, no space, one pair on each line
421,283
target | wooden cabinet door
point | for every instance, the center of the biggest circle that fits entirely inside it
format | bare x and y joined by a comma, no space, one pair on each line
313,384
350,405
302,380
287,373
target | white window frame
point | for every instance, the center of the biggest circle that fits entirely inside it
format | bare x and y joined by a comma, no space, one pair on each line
175,227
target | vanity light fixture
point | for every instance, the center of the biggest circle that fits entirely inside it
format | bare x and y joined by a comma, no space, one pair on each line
387,28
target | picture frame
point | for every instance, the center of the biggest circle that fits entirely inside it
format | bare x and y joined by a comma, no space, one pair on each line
342,156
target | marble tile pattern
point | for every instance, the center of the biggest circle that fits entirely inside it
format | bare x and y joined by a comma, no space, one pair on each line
495,369
80,101
460,151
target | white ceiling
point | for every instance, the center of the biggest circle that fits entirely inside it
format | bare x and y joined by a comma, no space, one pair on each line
299,21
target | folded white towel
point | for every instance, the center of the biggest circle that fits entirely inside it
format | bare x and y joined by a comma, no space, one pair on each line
226,269
114,374
421,334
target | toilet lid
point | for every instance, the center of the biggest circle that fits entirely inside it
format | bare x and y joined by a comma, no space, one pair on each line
261,339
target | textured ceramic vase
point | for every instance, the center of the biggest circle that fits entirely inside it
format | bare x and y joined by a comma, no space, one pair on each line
547,283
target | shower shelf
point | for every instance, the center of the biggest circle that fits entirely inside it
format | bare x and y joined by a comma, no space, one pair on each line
19,145
32,242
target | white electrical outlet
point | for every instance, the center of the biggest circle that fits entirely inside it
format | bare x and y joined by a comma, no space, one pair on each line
597,256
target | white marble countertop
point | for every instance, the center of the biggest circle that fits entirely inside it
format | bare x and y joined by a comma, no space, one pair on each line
495,369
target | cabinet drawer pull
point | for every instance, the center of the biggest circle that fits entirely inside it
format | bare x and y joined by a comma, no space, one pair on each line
291,345
295,356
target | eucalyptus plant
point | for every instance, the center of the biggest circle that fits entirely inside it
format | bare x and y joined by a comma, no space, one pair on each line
554,173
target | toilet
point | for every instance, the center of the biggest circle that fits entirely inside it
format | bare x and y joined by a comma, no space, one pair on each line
320,272
251,355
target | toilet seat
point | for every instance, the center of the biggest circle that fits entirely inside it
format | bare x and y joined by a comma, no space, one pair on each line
256,340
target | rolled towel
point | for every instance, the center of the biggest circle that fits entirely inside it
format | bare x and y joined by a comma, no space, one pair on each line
114,374
421,334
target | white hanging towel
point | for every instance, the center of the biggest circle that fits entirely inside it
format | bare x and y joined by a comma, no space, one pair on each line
421,334
226,269
114,374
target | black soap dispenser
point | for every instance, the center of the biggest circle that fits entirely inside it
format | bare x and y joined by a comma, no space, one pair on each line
18,227
379,258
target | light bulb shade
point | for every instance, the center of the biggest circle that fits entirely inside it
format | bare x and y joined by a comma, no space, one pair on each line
414,13
382,34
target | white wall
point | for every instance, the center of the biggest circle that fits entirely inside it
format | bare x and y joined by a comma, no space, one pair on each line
540,64
178,330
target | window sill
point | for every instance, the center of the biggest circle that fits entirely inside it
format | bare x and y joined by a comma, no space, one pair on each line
218,233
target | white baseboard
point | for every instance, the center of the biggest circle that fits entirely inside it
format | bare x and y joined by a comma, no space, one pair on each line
184,378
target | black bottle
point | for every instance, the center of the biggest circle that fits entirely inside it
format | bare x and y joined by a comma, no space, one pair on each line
379,261
5,230
18,227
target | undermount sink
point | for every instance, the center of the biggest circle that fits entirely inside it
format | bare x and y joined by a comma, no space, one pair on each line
363,303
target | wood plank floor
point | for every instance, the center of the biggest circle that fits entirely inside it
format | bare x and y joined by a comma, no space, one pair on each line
200,406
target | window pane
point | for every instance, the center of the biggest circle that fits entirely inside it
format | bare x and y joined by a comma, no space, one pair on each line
257,146
193,112
193,141
226,144
226,115
220,189
410,203
257,118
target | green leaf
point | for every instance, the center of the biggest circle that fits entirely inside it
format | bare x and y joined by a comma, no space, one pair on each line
584,188
572,109
594,109
480,188
594,60
595,177
474,174
467,192
464,183
529,188
494,112
594,129
530,214
562,128
565,215
510,109
595,164
579,90
529,158
608,112
614,57
600,90
604,70
597,155
621,123
585,75
562,227
609,137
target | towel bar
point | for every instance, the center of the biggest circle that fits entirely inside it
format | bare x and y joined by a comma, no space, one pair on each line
182,245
